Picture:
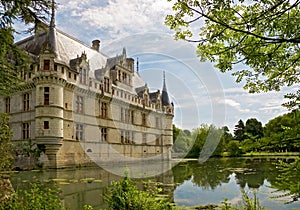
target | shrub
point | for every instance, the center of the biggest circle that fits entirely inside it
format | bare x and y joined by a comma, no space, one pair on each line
38,196
125,195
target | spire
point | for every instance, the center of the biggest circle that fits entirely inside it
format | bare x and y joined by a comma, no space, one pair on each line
51,45
164,95
164,81
137,65
124,53
52,21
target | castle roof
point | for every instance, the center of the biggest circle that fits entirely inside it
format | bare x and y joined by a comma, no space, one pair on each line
67,51
65,47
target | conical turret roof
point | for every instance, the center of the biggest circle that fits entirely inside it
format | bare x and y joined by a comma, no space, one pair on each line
164,95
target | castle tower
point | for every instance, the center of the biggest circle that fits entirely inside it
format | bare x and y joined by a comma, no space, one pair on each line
49,98
168,119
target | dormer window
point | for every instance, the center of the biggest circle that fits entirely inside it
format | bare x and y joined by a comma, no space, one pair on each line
46,64
82,76
106,85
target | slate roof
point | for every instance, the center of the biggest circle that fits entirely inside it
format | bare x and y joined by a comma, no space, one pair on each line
154,96
66,48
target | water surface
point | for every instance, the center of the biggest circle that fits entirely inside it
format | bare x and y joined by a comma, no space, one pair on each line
187,183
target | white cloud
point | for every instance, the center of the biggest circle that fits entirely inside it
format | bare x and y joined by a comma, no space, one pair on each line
232,103
119,17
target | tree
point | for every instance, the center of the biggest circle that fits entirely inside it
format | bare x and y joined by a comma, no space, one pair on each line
239,131
176,132
199,136
234,149
254,127
12,59
282,132
227,137
261,35
183,143
208,141
6,158
6,148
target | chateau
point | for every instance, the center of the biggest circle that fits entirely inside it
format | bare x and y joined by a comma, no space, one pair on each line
82,106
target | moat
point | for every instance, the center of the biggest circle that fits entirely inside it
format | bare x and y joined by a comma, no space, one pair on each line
187,183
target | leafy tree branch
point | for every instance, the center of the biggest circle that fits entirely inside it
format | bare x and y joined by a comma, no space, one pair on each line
258,41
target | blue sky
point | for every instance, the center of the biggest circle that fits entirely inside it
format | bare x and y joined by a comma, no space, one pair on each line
201,93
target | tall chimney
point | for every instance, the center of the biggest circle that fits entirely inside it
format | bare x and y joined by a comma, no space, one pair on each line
96,44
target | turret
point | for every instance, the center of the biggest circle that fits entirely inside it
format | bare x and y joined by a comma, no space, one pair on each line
49,99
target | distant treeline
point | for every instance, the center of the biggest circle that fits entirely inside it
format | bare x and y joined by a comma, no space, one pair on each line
281,134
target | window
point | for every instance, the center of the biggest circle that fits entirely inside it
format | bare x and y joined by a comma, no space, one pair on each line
157,122
144,119
132,117
46,124
82,76
79,104
62,70
55,67
103,110
79,132
46,64
132,137
25,131
7,105
144,138
157,140
106,85
127,137
26,102
70,75
119,75
122,137
46,95
122,114
127,115
104,134
75,76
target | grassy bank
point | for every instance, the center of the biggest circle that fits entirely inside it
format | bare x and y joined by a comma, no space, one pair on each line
257,154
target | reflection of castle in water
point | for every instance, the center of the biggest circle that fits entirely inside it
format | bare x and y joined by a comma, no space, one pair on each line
250,173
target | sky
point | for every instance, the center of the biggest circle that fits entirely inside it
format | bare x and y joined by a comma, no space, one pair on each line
200,93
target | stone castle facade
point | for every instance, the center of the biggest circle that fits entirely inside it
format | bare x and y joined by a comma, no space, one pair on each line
82,106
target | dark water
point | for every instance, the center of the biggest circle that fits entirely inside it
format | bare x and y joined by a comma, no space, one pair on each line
188,183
